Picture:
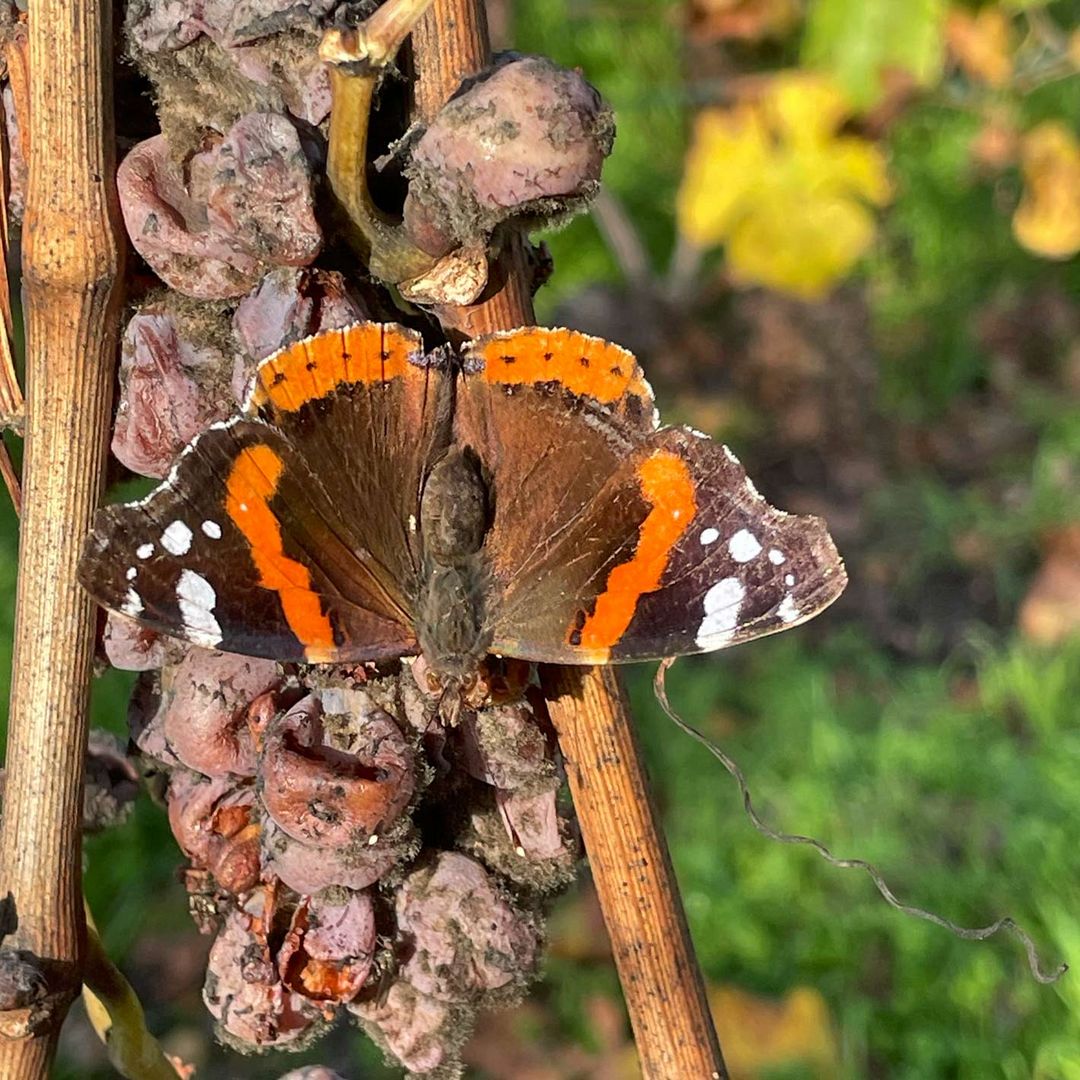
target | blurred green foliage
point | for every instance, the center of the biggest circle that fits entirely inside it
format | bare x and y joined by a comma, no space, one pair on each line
633,59
967,807
858,39
957,776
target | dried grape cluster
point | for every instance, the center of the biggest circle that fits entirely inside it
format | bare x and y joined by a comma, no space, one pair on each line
346,849
350,852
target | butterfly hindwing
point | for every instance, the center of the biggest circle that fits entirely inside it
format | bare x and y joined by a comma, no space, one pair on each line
569,362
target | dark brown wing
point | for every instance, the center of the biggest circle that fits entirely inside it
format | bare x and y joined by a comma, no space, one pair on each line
729,569
290,534
370,415
613,541
537,406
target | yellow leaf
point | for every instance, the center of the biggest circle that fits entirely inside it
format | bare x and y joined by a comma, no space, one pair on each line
981,42
759,1035
1047,221
728,150
861,166
805,109
773,181
803,254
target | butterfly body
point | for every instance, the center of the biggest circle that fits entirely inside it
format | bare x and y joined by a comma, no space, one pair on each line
373,501
452,627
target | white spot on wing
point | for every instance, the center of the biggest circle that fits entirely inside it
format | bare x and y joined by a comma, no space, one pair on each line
131,573
722,604
197,599
709,536
730,456
176,539
144,551
787,610
776,557
744,546
412,523
789,580
212,529
132,604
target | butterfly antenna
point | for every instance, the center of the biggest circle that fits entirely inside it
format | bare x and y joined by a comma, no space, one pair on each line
968,934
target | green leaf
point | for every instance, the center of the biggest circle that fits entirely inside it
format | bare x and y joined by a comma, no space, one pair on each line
859,41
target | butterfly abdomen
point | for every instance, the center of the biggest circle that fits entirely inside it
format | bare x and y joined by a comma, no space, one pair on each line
450,618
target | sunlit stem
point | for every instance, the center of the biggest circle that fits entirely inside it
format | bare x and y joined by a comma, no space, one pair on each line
118,1018
357,58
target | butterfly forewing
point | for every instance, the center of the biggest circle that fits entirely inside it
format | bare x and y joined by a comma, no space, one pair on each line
735,567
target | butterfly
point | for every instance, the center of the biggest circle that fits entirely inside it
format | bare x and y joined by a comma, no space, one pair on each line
519,497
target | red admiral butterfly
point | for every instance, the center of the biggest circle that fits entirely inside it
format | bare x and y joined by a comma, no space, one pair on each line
373,501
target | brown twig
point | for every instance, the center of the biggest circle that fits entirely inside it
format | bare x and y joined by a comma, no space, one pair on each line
634,878
71,271
16,55
17,62
10,475
660,977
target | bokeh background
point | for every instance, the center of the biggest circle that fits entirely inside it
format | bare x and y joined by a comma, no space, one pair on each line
841,235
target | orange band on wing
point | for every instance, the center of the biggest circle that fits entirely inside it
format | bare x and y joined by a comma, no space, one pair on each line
249,489
666,483
315,367
583,364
